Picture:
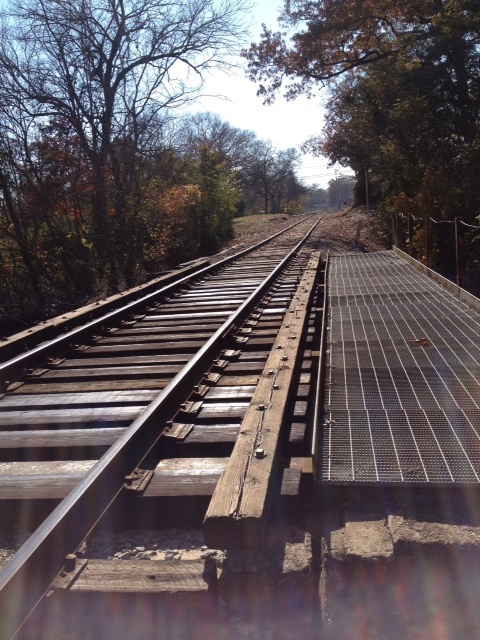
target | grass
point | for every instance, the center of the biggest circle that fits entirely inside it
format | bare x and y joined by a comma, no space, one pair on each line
260,223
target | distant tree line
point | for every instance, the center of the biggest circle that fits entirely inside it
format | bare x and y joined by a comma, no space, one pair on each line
338,194
404,108
102,182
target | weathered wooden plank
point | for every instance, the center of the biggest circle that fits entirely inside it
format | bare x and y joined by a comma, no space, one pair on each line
185,477
260,341
151,321
253,356
155,359
59,438
237,381
180,305
191,314
155,371
212,434
274,310
141,338
240,504
297,433
240,392
154,576
41,480
224,393
264,333
239,368
137,349
89,385
221,411
75,399
300,409
172,477
66,416
141,328
218,294
199,477
173,341
268,323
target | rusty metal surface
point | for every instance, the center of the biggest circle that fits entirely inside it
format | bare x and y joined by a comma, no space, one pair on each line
402,396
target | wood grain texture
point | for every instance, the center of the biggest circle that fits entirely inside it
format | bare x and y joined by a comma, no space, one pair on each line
180,477
59,438
240,504
142,576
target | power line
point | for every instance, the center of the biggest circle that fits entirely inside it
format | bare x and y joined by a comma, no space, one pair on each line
325,175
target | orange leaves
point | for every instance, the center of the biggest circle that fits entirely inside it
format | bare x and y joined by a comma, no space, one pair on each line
170,213
176,200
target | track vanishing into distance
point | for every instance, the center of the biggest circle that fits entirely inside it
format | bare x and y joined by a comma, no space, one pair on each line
236,399
142,406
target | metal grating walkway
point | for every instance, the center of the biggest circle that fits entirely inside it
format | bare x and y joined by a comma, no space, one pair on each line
402,398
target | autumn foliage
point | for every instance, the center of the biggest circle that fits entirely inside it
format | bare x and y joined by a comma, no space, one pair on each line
102,183
403,79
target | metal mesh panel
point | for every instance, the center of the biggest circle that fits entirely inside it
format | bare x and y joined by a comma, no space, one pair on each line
402,401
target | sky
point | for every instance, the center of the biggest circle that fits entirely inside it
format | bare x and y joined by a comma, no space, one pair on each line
285,124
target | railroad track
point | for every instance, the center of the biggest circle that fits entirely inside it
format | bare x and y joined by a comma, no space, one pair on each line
192,398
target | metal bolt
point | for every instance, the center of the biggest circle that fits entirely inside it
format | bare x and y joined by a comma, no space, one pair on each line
261,407
271,372
260,453
276,386
70,562
284,358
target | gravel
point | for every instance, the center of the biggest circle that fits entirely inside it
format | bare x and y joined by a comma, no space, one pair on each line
338,230
175,545
171,545
10,543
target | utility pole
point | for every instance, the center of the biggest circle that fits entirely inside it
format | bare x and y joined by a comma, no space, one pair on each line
337,195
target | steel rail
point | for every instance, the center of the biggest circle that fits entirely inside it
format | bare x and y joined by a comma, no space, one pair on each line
49,329
20,364
28,575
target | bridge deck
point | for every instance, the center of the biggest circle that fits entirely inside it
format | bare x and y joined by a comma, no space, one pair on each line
402,400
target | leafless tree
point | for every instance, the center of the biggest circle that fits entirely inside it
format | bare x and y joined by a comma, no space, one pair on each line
108,67
271,170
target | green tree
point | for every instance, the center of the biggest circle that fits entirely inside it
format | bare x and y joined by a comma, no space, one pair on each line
217,205
192,218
